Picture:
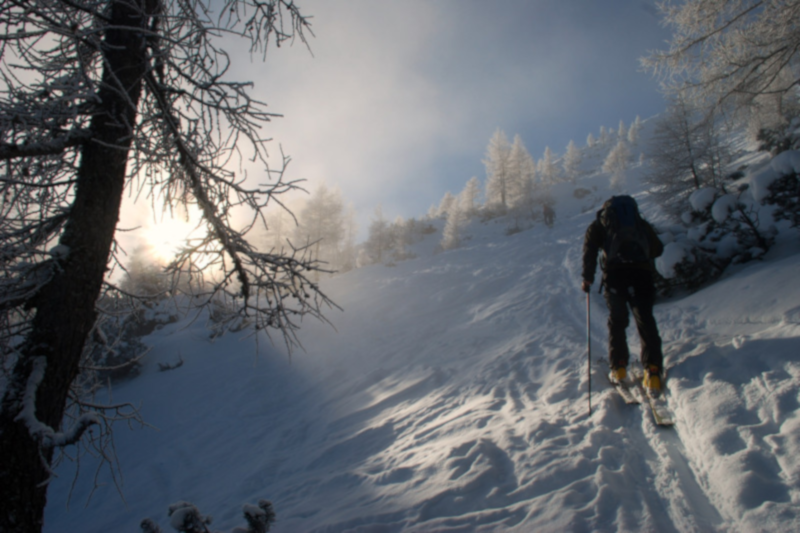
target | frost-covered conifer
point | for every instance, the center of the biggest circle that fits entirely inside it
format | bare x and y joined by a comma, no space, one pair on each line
347,253
279,227
145,275
724,229
379,239
687,153
622,131
530,185
548,170
456,220
616,164
523,172
604,137
402,238
446,204
633,131
590,141
572,162
433,212
321,224
498,171
469,196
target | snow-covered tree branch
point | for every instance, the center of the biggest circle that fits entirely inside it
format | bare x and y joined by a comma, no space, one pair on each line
730,53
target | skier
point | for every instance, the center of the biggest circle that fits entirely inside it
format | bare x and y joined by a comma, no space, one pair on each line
629,245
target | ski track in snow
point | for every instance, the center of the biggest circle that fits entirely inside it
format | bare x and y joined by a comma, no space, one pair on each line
453,398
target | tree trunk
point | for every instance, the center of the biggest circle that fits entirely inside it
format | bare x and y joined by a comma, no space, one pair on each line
65,307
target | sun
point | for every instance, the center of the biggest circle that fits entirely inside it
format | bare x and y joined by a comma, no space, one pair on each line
166,235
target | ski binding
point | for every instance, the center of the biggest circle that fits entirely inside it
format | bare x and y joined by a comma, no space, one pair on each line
662,414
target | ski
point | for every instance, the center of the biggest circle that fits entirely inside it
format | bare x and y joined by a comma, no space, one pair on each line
624,389
662,414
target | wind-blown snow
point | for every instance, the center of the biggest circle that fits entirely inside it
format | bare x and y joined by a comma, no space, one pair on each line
453,397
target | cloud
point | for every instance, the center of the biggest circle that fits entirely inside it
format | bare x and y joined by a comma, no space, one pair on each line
400,98
359,113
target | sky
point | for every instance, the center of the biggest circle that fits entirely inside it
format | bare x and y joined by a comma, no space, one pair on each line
395,102
399,100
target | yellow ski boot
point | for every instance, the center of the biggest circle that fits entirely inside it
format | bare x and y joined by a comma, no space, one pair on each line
617,374
652,381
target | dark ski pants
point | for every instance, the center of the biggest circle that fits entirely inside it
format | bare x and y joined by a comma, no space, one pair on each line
634,288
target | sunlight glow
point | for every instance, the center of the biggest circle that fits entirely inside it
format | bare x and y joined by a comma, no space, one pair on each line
167,234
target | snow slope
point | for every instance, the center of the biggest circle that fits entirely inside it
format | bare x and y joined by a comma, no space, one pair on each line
452,396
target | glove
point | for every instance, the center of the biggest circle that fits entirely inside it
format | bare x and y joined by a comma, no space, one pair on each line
586,286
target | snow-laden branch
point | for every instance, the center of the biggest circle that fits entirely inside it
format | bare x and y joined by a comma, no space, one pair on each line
49,147
730,53
47,436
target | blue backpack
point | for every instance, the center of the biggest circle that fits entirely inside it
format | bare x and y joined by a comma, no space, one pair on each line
627,241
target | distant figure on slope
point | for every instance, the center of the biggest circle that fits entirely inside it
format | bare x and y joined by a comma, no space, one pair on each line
629,245
549,215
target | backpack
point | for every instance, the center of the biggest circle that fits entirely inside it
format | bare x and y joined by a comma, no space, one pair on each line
627,241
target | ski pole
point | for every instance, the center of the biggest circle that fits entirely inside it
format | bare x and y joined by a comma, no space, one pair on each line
589,351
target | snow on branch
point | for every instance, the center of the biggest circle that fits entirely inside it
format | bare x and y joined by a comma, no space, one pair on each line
728,52
41,148
48,437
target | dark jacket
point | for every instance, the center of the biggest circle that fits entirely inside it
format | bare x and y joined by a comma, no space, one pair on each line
595,240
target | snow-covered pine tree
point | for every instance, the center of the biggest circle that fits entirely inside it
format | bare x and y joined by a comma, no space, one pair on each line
379,239
548,170
498,172
347,256
402,238
456,220
774,116
145,275
572,162
433,212
590,141
633,131
321,224
603,139
530,187
687,153
469,197
724,229
616,164
622,131
279,227
784,194
446,204
523,171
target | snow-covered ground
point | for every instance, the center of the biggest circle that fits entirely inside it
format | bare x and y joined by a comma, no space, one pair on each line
452,396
